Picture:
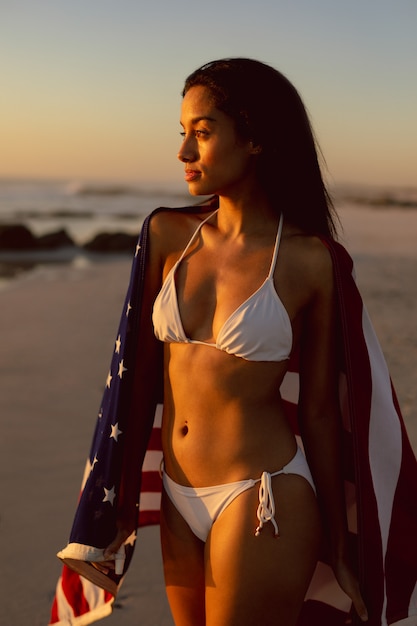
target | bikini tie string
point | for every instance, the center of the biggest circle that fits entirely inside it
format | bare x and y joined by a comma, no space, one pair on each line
266,508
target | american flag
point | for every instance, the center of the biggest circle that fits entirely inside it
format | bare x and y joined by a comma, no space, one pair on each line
79,597
379,466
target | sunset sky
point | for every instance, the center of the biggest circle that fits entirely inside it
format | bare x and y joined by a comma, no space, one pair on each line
90,89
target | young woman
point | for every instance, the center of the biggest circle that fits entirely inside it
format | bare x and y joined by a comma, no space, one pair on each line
232,293
244,310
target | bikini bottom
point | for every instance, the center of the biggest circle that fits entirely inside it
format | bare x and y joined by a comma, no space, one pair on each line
201,506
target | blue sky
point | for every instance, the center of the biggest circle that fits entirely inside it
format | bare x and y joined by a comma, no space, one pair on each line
90,88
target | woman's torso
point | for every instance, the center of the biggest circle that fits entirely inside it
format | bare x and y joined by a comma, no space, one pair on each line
223,416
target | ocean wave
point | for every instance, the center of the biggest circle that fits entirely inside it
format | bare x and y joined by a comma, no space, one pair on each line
378,197
30,214
78,188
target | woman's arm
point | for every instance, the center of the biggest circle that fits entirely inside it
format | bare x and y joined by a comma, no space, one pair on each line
319,414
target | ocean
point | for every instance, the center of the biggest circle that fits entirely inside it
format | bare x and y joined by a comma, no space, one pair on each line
84,209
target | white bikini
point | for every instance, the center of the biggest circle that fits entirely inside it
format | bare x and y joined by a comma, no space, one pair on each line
258,330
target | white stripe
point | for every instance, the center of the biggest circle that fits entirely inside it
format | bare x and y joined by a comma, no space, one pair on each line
92,616
290,387
409,621
93,594
412,609
152,461
95,597
157,422
300,443
87,472
81,552
150,501
385,445
324,588
64,610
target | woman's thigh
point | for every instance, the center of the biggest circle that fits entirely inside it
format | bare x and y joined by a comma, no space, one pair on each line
183,559
262,580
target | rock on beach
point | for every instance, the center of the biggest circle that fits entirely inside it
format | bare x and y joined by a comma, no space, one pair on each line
18,237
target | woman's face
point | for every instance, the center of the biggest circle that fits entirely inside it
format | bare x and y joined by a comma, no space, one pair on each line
216,160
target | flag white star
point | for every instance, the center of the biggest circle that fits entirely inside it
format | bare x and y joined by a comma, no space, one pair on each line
115,432
108,381
100,415
128,309
95,460
109,495
118,344
122,369
137,249
131,539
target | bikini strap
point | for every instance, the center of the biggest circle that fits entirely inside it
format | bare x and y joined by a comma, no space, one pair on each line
276,247
197,230
266,508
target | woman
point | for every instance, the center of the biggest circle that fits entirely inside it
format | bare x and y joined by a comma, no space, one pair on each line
233,293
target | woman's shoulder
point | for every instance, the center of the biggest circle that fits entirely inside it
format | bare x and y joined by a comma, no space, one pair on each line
307,247
171,228
167,217
309,255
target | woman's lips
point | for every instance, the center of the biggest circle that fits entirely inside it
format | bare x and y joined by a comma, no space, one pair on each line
191,175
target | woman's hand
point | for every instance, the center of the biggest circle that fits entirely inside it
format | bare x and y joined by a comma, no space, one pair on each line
113,553
349,583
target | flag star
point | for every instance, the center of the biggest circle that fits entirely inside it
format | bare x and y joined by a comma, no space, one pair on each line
115,432
122,369
118,344
128,309
137,249
95,460
109,495
108,381
131,539
100,415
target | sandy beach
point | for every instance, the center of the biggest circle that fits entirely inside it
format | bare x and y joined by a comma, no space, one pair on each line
57,330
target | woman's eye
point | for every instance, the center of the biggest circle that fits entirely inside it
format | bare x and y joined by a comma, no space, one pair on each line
197,133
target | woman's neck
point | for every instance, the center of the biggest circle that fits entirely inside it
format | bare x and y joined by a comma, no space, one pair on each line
248,214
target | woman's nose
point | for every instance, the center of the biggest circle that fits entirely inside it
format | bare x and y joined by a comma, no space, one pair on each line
187,151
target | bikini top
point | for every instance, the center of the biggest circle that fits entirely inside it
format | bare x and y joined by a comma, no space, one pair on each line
258,330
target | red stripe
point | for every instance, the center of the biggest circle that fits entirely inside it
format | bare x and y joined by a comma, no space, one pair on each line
108,597
155,442
348,457
148,518
290,410
73,591
294,364
151,482
316,613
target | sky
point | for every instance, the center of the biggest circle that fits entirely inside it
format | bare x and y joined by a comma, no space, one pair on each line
90,89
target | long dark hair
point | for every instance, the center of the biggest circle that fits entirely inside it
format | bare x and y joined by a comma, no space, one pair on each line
268,111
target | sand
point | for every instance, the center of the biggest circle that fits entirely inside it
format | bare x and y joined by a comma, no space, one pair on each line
57,330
